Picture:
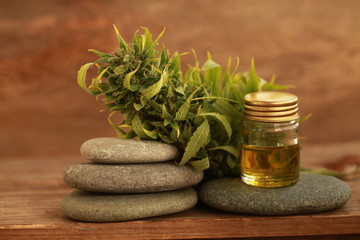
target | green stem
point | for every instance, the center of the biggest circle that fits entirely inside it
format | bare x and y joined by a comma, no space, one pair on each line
323,171
220,98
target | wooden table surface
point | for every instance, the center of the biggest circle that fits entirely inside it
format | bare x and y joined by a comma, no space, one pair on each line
31,191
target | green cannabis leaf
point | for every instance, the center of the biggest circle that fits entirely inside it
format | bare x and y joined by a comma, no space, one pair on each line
200,111
199,139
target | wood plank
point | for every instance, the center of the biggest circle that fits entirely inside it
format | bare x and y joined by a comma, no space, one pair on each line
31,192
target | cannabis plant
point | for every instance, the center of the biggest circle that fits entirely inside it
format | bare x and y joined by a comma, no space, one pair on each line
200,111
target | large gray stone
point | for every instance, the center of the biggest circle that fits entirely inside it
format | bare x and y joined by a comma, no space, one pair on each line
313,193
131,178
116,150
102,207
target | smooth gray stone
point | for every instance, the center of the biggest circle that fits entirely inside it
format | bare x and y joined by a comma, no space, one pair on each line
116,150
313,193
131,178
102,207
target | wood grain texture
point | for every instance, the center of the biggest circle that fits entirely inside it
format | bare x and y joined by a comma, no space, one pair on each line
30,206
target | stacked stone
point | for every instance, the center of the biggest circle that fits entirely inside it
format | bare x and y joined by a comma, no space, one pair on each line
127,180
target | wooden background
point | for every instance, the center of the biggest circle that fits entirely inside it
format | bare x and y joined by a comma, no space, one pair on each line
314,45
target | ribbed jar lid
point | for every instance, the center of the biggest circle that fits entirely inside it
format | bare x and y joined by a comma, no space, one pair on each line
271,106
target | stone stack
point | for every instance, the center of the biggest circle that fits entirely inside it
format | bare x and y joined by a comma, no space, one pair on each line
127,180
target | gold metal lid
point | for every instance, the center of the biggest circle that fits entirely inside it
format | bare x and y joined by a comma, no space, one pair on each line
271,113
270,98
271,106
270,109
273,119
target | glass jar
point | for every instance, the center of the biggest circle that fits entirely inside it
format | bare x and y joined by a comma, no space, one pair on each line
270,155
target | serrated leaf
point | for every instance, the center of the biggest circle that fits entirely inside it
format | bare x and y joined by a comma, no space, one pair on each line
147,42
125,126
194,76
81,77
100,54
122,42
127,78
170,92
136,44
209,64
159,36
175,63
186,133
102,60
157,124
138,127
164,58
173,136
112,123
120,69
175,127
225,108
253,83
165,138
152,134
113,59
212,75
164,112
142,42
232,150
230,162
275,87
228,73
154,105
96,82
129,135
115,108
222,119
199,139
305,118
143,101
184,109
138,106
155,88
200,164
180,89
271,86
167,122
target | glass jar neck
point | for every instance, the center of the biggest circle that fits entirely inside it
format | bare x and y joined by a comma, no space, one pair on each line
270,133
270,126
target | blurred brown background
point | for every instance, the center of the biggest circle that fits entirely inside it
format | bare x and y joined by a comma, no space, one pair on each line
314,45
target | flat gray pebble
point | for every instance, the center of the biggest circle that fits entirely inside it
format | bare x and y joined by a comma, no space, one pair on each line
131,178
116,150
101,207
313,193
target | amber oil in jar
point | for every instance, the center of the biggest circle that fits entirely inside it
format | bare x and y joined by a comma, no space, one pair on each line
270,155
